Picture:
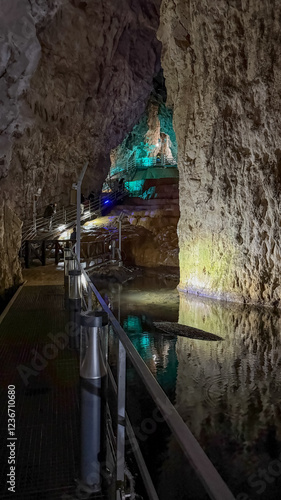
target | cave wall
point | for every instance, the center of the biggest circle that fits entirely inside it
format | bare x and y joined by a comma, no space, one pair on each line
10,239
222,64
74,79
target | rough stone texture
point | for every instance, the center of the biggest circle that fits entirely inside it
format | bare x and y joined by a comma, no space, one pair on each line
222,64
149,239
149,231
74,79
152,240
10,237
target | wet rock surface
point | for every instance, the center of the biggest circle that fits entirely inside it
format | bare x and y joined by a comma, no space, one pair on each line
222,67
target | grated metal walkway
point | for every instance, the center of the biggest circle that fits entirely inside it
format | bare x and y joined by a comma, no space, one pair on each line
47,419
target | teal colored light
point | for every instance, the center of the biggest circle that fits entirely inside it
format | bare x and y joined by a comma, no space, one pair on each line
116,170
149,193
144,341
146,162
139,151
134,186
132,324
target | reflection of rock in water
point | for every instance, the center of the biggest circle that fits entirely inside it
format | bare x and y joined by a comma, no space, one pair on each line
178,480
229,392
173,328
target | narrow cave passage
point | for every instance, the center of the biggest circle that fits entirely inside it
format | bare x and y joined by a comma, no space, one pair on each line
172,112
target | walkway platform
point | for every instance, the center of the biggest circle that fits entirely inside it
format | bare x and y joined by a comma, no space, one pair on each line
45,373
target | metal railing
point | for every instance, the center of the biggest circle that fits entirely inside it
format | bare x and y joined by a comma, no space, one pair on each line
162,161
65,218
206,472
130,167
61,220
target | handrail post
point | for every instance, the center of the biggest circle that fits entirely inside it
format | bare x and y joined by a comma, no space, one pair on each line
90,301
120,240
92,373
104,353
34,212
78,210
112,246
27,254
75,295
68,266
78,222
43,254
121,421
57,252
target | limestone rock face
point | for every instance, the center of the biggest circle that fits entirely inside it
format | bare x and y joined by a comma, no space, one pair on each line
222,64
152,241
10,238
95,65
74,79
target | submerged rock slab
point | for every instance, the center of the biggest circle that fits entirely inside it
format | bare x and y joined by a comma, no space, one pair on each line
185,331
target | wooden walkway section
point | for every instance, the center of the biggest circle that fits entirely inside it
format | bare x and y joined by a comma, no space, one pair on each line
38,362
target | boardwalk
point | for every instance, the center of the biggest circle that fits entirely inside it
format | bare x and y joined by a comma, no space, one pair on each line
47,423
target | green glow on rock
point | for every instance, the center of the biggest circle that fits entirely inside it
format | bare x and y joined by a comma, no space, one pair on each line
207,266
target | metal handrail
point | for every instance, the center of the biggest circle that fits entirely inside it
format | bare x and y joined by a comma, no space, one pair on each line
137,452
205,470
132,164
67,216
117,443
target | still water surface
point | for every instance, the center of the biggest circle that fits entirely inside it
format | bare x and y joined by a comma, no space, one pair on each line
228,392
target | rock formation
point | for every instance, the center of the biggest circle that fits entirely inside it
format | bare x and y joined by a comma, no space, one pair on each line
74,78
149,235
10,239
222,65
152,135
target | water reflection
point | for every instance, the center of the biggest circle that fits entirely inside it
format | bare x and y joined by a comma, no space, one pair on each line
158,352
228,392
